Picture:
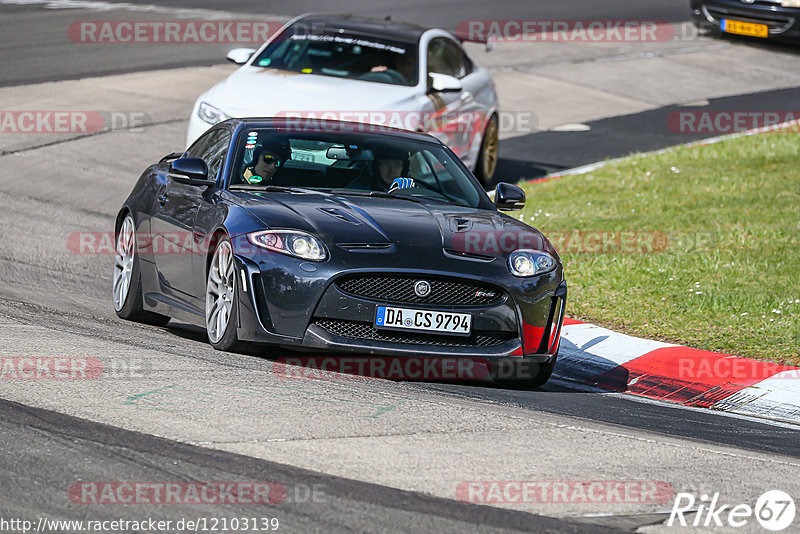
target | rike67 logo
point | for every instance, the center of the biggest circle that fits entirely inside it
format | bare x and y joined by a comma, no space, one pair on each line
774,511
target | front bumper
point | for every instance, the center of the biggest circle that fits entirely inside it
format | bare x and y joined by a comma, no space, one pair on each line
783,22
286,301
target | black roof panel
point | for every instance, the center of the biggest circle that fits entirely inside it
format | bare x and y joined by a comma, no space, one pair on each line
374,27
311,125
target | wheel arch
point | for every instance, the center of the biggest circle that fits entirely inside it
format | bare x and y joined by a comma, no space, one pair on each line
216,235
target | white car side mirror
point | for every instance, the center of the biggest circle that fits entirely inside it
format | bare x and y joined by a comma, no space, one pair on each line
240,56
444,83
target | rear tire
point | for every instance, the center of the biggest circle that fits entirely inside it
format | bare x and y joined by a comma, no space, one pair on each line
127,287
489,154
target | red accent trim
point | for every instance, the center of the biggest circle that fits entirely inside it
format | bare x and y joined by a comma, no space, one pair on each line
531,337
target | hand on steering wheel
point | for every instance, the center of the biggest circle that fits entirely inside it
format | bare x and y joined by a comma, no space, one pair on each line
401,183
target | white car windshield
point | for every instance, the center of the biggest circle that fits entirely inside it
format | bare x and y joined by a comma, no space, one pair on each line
342,55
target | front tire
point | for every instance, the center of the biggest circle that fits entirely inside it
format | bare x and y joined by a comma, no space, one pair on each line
489,154
222,304
127,286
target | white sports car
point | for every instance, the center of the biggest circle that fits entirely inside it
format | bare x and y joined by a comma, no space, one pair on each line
372,71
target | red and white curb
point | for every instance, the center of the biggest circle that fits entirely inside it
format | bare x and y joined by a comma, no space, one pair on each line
603,358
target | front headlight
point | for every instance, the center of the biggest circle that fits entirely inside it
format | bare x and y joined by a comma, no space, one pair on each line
530,262
290,242
210,114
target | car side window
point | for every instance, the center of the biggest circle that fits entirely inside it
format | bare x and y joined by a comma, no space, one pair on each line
198,146
211,148
446,57
215,152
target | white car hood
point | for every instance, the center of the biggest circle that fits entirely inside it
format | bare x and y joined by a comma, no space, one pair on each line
260,92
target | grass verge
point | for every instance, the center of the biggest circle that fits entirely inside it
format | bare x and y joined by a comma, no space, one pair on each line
698,246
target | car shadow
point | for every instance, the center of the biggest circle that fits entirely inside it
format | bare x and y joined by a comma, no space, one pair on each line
577,370
771,45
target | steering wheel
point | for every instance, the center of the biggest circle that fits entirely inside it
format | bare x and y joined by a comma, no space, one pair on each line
384,76
413,184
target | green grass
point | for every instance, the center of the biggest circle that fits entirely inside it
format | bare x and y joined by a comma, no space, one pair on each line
724,271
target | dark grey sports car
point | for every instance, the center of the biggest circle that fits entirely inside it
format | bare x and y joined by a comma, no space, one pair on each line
341,236
766,19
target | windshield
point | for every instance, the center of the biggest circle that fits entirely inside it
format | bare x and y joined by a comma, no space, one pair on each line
343,55
348,163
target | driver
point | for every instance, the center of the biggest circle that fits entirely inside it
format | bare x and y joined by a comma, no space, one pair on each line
267,158
404,64
389,163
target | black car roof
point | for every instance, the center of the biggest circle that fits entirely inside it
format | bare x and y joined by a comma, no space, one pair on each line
368,26
312,125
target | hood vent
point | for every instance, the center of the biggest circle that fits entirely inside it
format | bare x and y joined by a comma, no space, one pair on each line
468,255
460,225
339,214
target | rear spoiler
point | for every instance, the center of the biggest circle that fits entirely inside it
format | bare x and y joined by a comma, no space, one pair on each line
466,37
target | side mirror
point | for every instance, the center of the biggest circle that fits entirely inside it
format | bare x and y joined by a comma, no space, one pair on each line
191,171
240,56
509,197
443,83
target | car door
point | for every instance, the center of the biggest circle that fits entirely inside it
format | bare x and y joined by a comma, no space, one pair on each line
462,114
175,212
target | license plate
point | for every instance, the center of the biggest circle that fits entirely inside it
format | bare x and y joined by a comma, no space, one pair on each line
745,28
423,320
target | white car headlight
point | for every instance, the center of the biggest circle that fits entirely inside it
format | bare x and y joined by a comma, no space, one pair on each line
291,242
210,114
530,262
790,3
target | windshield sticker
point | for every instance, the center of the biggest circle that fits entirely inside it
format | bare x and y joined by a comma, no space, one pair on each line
349,40
264,62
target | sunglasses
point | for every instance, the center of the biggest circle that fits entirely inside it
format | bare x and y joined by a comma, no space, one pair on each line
271,160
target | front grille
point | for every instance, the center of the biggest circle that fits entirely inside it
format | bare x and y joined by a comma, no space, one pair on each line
776,22
400,289
366,331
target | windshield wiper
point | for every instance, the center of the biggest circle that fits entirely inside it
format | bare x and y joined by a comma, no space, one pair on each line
376,194
271,189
